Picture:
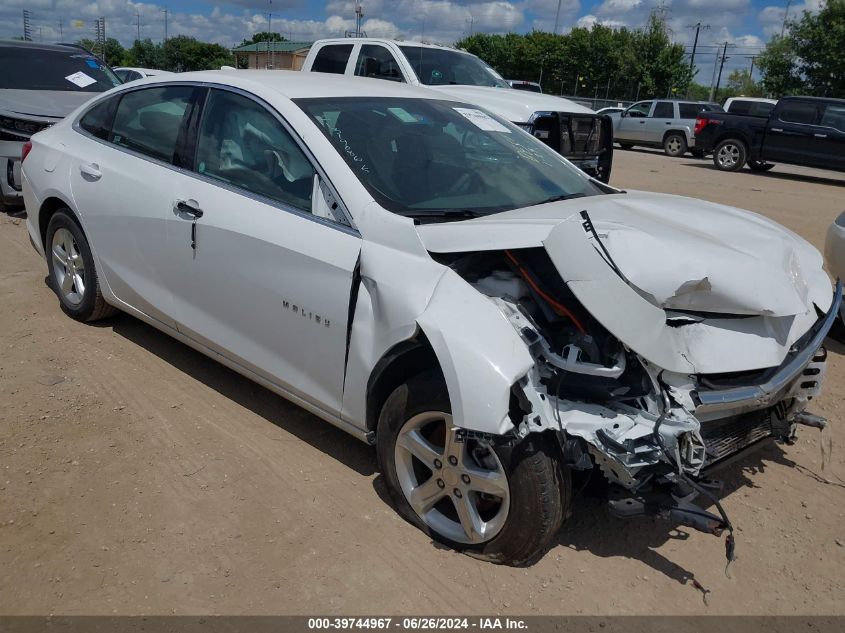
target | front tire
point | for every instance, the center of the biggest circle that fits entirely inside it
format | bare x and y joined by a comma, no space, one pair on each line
503,504
730,155
675,144
72,274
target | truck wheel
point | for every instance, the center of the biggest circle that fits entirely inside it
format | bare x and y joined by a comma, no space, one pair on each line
759,165
730,155
675,144
502,504
625,145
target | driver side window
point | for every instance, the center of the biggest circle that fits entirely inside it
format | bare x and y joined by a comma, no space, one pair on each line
640,110
242,144
377,62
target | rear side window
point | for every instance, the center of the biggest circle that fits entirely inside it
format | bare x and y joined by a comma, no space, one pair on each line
97,121
332,59
834,116
127,75
740,107
71,70
664,110
799,112
690,110
244,145
377,62
761,108
148,121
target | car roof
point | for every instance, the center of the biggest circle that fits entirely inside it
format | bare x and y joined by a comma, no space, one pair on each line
41,46
383,40
295,84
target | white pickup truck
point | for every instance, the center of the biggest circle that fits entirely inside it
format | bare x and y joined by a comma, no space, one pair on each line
582,136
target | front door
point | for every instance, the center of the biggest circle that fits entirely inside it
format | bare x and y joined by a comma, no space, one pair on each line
831,137
791,137
255,274
631,126
659,122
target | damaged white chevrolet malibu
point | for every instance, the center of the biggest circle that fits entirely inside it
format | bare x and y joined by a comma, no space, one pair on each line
441,284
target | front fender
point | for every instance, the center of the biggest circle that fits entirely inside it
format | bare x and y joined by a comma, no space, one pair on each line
480,353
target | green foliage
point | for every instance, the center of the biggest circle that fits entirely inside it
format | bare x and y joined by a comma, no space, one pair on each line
810,58
264,36
740,84
113,54
621,63
179,53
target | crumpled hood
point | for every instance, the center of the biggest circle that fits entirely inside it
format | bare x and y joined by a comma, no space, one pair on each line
679,253
510,104
44,104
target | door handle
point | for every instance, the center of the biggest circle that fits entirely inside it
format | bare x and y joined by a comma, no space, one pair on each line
668,123
642,122
777,129
820,135
92,170
188,208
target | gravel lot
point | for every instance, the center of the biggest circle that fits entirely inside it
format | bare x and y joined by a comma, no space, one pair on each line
139,477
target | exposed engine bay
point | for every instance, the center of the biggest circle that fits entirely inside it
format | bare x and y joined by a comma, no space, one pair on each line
645,428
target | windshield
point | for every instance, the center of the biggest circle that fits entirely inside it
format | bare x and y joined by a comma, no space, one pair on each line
73,70
422,157
442,67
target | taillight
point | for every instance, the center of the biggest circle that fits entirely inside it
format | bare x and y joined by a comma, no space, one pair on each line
703,122
25,150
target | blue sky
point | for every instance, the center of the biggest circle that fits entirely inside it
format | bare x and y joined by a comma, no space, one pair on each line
746,24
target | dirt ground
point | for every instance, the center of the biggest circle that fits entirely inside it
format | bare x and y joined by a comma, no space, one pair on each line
139,477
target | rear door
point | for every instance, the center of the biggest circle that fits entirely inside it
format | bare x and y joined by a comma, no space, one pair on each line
124,178
659,121
259,265
632,122
791,136
332,58
831,136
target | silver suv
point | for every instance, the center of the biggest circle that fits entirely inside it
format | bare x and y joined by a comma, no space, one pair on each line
660,123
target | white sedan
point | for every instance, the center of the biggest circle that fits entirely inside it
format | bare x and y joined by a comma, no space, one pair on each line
434,281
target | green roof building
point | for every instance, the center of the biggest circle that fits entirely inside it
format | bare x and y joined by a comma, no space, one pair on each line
284,55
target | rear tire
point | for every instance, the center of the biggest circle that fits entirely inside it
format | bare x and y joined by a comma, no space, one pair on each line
675,144
759,165
730,155
525,515
72,274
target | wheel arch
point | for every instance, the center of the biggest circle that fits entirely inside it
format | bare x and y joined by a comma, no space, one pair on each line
398,365
733,135
47,210
683,133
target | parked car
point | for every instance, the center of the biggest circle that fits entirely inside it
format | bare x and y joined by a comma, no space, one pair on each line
754,106
610,110
39,84
808,131
529,86
438,283
572,130
661,123
131,74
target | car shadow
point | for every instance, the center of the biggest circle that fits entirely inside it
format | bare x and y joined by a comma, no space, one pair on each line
287,416
782,175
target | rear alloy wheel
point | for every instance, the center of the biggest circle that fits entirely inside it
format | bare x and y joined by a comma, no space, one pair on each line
730,155
503,504
759,165
72,274
675,144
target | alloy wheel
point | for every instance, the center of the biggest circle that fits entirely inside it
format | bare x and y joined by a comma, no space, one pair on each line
728,155
68,267
457,486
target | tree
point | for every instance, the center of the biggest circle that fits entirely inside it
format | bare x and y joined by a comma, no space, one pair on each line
113,53
263,36
145,54
810,57
740,83
182,53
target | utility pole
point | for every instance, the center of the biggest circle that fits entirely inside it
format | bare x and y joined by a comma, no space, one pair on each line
751,72
359,16
61,29
27,27
269,63
785,16
697,26
164,10
138,24
471,21
721,66
557,15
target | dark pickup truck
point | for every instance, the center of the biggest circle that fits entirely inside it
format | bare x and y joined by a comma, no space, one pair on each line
808,131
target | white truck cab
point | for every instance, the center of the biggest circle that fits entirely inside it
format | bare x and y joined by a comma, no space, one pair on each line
573,130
